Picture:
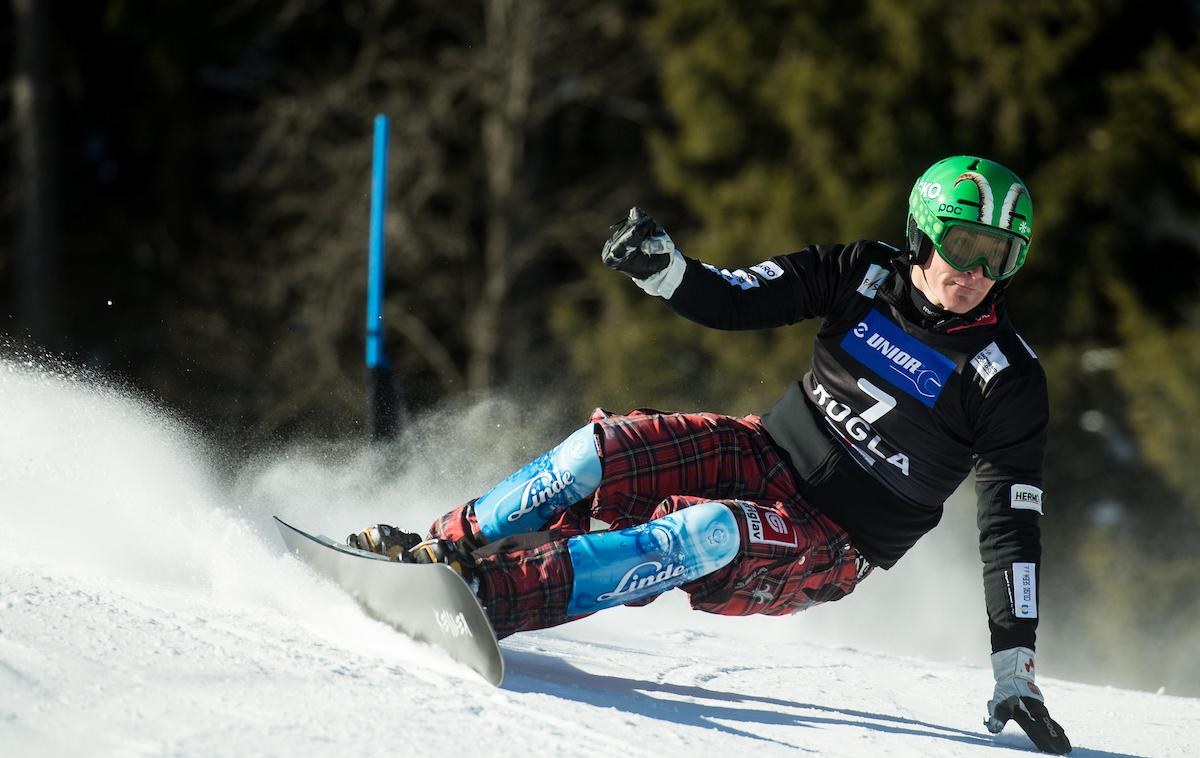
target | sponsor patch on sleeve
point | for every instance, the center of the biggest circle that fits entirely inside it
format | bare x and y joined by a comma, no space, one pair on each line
766,527
876,276
768,270
1024,578
1025,497
737,278
989,362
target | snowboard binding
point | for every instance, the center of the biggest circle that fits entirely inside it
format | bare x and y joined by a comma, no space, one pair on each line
409,547
382,539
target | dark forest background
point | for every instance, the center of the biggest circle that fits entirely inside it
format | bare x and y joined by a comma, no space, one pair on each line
184,208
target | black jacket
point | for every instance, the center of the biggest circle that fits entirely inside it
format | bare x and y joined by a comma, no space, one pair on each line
897,409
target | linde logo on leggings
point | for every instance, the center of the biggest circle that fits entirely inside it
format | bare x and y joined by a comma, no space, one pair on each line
899,358
551,485
632,582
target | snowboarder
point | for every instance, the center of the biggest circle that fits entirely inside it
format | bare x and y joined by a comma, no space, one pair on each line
917,376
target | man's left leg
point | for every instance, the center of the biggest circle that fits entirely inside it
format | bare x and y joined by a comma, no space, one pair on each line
533,581
733,557
784,557
791,558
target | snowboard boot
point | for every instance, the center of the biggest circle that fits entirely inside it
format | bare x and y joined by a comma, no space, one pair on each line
442,551
385,540
450,554
408,547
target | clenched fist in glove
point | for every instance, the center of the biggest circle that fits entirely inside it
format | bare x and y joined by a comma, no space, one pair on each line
1016,697
640,248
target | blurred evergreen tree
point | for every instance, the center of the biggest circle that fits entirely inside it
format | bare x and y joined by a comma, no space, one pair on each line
216,173
505,118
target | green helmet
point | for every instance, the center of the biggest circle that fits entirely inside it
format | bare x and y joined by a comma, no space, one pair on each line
973,212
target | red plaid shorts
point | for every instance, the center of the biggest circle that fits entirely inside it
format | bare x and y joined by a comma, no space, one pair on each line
791,556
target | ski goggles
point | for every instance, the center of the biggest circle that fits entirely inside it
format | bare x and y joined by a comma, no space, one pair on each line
965,246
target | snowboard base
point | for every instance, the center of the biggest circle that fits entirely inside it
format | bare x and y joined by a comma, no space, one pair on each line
430,603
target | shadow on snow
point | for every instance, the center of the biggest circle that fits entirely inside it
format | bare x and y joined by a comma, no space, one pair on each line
539,673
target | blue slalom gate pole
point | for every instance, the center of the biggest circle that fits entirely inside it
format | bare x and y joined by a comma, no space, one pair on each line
383,400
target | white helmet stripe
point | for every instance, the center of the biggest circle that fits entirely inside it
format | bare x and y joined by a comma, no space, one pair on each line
1010,205
986,203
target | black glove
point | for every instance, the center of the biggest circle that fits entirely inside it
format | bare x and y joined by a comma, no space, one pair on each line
1031,715
1016,697
638,247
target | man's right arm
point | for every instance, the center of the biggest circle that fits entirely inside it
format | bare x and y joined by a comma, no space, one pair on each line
781,290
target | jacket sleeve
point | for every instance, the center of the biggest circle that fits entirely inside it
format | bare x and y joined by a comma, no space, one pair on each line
1010,447
779,291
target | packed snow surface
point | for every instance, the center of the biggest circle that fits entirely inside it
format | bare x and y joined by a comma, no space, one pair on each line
147,608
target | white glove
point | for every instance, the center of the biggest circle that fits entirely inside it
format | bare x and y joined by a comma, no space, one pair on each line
1017,697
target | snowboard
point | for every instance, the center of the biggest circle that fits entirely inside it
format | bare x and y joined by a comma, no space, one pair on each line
428,602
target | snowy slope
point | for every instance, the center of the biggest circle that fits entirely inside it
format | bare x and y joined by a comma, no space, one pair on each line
147,608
